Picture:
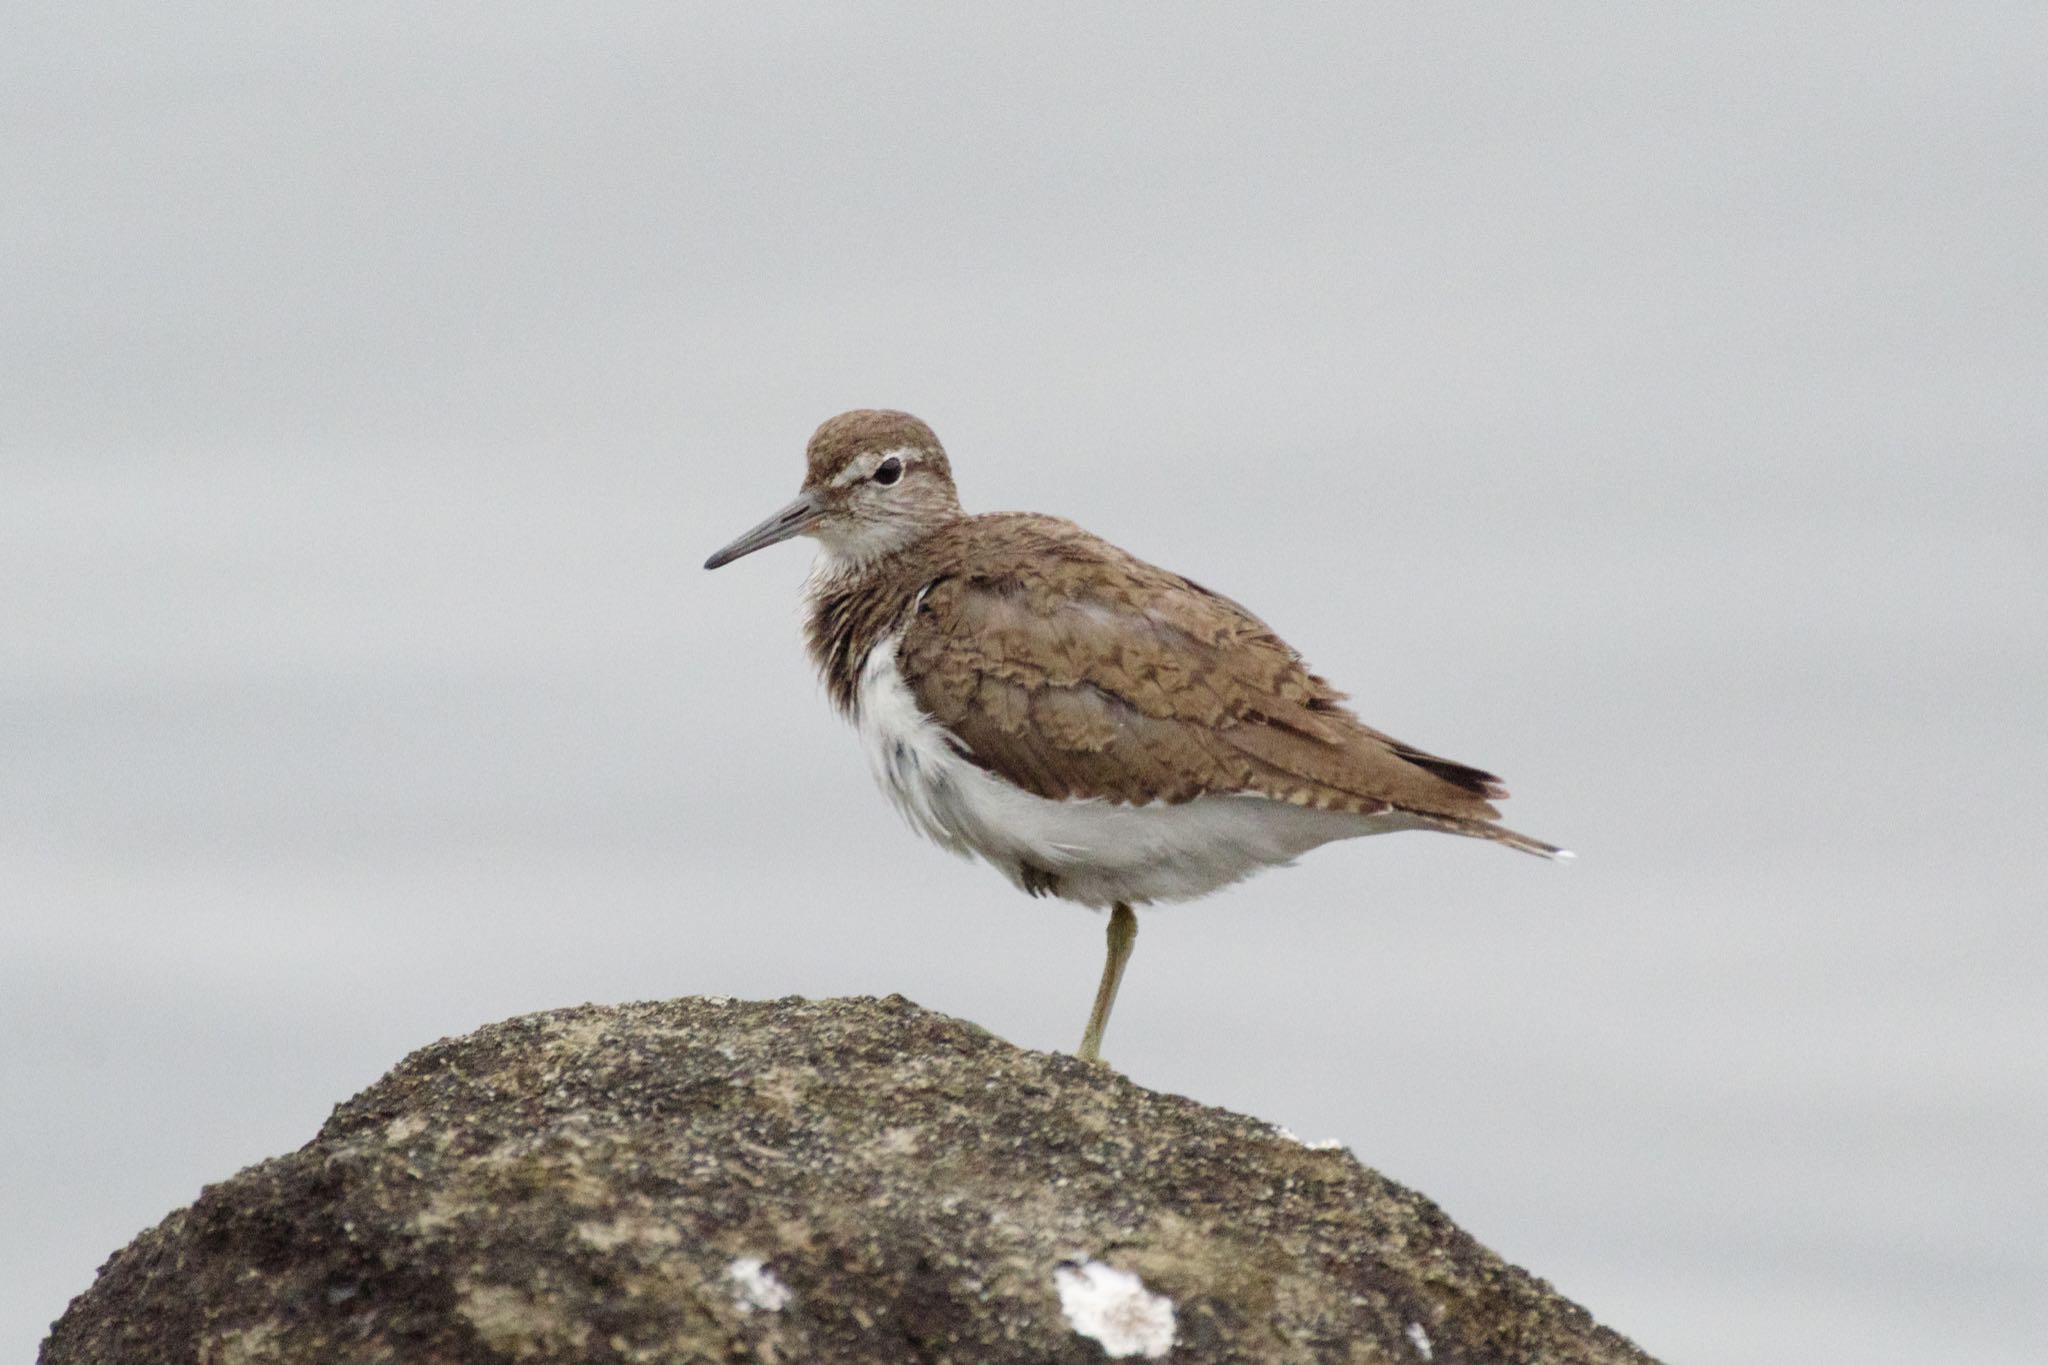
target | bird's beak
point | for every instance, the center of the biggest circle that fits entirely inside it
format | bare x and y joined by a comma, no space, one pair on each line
792,520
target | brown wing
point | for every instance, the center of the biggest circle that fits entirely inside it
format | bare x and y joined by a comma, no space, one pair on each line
1075,670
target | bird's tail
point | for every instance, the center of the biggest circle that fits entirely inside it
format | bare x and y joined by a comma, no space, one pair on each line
1501,834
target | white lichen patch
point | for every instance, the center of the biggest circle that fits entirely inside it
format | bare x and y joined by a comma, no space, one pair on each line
1113,1308
1419,1339
1319,1145
754,1286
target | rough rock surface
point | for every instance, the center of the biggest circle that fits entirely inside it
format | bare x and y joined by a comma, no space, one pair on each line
798,1181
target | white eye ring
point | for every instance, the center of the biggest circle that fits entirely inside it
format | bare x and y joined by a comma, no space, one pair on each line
888,471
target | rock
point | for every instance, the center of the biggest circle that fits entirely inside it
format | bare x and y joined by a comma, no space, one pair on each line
798,1181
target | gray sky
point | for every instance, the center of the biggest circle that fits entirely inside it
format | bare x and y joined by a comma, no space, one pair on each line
1647,407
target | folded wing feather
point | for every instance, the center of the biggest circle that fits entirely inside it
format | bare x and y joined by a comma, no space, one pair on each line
1098,675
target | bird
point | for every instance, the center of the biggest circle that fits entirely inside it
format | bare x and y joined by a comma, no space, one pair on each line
1095,727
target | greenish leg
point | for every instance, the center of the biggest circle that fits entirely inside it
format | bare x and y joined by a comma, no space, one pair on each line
1123,932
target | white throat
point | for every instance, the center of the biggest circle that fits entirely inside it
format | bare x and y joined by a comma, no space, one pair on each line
848,549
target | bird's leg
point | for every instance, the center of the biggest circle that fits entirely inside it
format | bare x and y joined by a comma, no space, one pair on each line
1123,932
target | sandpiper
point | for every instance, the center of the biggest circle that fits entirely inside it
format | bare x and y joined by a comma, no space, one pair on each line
1097,728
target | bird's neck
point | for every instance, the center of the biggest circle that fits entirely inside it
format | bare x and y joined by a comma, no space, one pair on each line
851,606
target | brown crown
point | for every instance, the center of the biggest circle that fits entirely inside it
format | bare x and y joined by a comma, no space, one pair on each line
843,439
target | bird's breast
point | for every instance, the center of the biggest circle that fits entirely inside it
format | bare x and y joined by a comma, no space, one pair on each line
911,756
848,617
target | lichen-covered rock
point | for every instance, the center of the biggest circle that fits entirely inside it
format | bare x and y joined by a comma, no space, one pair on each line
797,1181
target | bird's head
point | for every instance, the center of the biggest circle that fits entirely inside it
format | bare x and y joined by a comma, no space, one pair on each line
876,481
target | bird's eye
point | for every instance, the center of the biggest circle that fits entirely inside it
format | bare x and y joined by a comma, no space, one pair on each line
888,471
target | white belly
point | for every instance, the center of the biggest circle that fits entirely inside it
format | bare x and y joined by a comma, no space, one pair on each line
1099,852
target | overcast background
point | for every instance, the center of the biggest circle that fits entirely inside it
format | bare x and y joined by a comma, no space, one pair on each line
1648,407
